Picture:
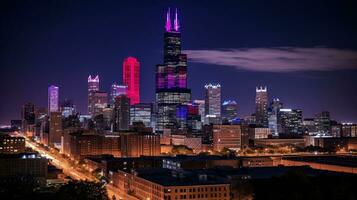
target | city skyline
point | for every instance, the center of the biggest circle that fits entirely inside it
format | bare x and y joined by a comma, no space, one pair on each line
322,88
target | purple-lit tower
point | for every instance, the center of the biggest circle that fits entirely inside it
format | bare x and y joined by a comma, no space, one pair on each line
171,77
53,99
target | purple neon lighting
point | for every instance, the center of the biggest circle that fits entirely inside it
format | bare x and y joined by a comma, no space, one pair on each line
168,21
176,23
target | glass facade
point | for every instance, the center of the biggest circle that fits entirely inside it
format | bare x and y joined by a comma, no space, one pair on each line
53,105
171,81
141,112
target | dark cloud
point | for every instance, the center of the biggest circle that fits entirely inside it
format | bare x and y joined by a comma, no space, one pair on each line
278,59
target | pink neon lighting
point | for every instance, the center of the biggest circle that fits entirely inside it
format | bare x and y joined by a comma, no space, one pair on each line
90,79
176,23
168,21
131,78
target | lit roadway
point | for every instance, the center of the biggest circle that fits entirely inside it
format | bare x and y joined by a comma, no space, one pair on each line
57,160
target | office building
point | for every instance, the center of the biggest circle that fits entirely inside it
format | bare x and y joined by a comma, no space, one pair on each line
79,144
53,99
116,90
349,130
259,132
121,113
139,144
201,108
229,110
212,103
323,123
290,122
131,78
98,101
226,136
273,110
55,129
28,119
68,108
261,106
141,112
93,86
171,79
309,127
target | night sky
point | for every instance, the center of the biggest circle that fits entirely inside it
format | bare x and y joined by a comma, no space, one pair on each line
305,52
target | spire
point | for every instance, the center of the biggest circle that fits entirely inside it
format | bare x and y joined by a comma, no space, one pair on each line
176,23
168,21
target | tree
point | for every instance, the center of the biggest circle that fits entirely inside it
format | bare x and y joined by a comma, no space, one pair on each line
81,190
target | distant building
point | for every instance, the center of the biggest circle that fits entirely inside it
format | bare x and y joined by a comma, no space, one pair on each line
53,99
131,78
212,103
16,124
261,106
201,108
141,112
226,136
93,86
139,144
55,132
273,111
121,113
349,130
98,101
68,108
323,123
336,129
116,90
194,143
309,127
290,122
229,110
259,132
28,119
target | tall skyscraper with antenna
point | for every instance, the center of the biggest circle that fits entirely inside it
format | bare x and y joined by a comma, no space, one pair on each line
171,77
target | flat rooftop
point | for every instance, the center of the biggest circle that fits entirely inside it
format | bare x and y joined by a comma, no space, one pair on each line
347,161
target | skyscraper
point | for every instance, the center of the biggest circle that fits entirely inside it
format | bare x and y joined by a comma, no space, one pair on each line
323,122
201,108
93,86
131,78
55,132
116,90
121,113
213,103
28,118
141,112
68,108
261,106
98,101
53,99
171,77
273,110
229,110
290,122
